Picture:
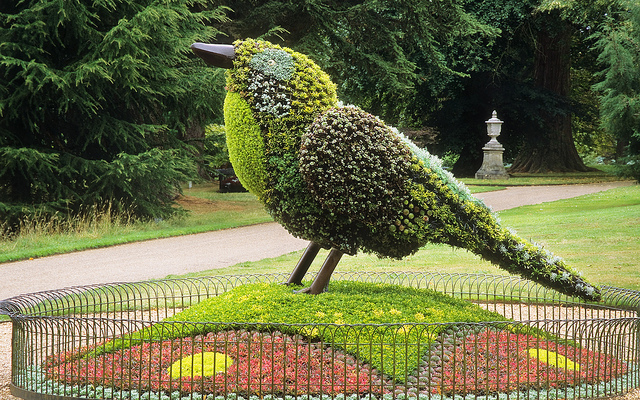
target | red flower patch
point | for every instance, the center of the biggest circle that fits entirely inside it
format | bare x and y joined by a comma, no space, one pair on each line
275,363
491,362
264,363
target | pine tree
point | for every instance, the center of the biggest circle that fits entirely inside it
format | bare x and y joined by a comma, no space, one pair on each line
619,45
95,99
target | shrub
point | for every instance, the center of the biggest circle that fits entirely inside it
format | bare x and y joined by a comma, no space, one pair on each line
629,167
215,153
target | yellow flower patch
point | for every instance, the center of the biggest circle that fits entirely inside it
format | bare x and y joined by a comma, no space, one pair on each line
201,364
555,359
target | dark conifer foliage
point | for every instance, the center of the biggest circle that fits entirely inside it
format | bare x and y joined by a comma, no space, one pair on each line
96,99
393,58
619,46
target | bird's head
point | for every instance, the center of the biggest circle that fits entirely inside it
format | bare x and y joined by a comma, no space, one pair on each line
277,82
273,95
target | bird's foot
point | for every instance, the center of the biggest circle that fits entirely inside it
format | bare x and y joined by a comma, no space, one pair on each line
307,290
303,264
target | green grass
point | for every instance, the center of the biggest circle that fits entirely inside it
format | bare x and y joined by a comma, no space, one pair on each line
209,211
596,234
602,173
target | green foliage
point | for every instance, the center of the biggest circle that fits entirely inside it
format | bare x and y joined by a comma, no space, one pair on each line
619,45
215,153
244,140
415,316
140,185
144,184
629,167
505,81
91,89
390,57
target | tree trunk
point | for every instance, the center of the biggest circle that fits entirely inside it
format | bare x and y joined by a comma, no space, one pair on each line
551,148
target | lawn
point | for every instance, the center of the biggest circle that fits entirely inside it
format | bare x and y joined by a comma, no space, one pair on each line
596,234
602,174
208,209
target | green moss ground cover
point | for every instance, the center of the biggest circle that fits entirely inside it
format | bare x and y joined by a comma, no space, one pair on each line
326,316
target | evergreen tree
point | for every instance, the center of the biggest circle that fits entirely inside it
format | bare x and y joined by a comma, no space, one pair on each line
395,58
96,99
447,65
619,45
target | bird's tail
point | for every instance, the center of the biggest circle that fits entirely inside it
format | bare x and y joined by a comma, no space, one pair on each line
533,262
461,220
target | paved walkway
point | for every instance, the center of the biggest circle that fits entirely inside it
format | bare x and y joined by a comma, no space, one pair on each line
158,258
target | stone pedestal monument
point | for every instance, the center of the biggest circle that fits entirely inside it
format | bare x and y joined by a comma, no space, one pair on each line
492,165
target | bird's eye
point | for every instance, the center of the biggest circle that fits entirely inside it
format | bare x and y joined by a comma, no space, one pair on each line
274,62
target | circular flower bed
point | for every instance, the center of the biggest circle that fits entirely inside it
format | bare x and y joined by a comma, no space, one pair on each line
255,363
61,344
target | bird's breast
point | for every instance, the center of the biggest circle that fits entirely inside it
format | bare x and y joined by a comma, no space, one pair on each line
245,143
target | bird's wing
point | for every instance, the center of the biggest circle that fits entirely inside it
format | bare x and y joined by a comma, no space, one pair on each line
362,170
356,166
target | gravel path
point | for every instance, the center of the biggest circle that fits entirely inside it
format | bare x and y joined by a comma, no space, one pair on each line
159,258
151,259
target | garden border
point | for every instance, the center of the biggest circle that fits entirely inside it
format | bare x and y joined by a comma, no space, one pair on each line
58,321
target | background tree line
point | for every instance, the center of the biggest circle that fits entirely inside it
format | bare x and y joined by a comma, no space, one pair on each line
101,101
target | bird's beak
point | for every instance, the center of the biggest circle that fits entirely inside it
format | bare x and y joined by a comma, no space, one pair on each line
217,55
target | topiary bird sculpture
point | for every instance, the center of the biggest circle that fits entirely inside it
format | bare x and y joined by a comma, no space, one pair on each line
344,180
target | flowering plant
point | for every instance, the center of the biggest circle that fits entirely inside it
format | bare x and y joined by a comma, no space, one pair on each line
262,363
258,363
500,361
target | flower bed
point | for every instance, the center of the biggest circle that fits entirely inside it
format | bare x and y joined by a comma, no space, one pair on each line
488,362
262,363
590,351
499,361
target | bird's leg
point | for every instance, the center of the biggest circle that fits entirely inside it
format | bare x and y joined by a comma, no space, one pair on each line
303,264
321,282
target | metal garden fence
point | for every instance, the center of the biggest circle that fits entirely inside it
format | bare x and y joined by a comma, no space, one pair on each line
80,343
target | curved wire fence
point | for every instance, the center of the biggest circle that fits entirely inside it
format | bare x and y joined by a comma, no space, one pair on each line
551,347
